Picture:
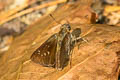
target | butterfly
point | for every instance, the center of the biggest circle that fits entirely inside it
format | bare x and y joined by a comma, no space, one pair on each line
56,50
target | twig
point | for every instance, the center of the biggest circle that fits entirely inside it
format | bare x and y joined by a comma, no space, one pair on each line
90,30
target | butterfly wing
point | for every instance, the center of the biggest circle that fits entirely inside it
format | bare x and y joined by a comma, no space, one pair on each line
45,54
75,37
67,45
65,51
76,32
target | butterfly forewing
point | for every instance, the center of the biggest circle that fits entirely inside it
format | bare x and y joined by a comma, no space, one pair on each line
45,54
65,51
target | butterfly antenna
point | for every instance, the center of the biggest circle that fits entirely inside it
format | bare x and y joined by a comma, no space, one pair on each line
54,19
67,21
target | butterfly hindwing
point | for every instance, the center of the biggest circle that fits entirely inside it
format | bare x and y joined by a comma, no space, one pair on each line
45,54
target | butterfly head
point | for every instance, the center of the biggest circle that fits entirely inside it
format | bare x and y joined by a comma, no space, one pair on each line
66,27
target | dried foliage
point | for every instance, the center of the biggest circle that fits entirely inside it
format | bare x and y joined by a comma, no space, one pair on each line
95,60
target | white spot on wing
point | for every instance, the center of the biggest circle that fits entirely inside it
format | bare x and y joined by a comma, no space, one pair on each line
38,51
44,54
48,52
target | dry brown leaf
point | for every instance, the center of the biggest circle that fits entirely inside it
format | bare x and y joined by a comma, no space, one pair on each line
94,60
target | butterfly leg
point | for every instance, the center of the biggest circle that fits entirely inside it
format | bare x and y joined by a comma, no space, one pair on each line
81,39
